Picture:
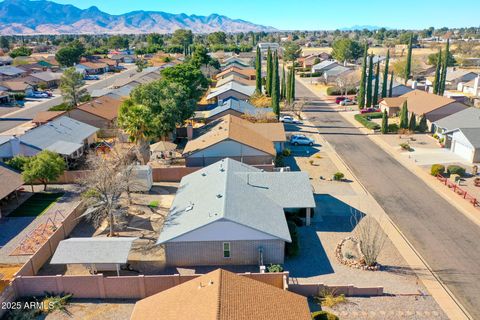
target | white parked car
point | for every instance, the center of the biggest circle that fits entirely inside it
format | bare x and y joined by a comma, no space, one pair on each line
301,140
347,102
40,95
288,119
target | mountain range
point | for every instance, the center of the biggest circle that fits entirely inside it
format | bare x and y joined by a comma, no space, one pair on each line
47,17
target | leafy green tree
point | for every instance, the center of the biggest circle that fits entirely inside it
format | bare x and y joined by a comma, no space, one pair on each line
375,88
408,67
20,52
190,77
407,37
218,37
45,167
291,51
345,49
155,39
412,125
258,71
369,81
384,122
182,37
275,86
200,56
363,80
268,86
71,86
385,75
118,42
423,126
404,116
438,68
4,42
70,54
18,162
390,91
141,64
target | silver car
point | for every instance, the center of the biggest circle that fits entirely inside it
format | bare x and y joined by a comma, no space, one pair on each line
301,140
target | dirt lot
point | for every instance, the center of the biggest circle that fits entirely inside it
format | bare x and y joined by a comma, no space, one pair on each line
95,310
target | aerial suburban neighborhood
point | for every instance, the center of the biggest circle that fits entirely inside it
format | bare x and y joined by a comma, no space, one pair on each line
176,166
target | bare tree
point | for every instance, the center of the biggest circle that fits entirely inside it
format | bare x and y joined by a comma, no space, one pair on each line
347,81
370,236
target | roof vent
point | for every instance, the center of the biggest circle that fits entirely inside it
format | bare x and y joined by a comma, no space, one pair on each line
219,196
189,208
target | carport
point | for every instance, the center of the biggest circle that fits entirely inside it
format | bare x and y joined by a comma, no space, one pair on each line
97,254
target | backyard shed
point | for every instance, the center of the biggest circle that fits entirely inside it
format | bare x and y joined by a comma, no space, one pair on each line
97,254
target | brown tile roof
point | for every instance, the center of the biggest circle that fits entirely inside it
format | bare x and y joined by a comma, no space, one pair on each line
421,102
222,295
104,107
45,116
259,136
393,102
11,180
15,85
94,65
235,78
249,72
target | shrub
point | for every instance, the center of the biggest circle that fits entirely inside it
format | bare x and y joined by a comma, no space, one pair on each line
454,169
153,204
279,160
334,91
286,152
275,268
362,118
437,169
337,176
405,146
435,136
330,299
324,315
60,107
18,96
393,128
292,248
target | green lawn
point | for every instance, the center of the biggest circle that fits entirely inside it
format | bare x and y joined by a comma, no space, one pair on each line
36,205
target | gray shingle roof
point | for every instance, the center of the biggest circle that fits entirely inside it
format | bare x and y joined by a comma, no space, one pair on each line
472,135
236,192
237,105
467,118
62,129
246,90
11,71
92,250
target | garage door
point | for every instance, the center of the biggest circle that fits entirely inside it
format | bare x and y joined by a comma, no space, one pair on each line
462,150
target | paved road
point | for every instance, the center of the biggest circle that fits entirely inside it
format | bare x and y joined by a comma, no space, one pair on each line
446,239
30,112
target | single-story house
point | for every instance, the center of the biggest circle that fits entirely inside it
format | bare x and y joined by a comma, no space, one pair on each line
433,106
9,72
222,295
456,76
17,85
324,66
466,118
10,179
464,142
471,87
97,254
5,60
43,117
236,138
150,74
4,97
63,135
238,218
392,105
247,73
310,60
234,78
94,67
230,90
100,112
233,107
47,79
332,74
264,46
235,62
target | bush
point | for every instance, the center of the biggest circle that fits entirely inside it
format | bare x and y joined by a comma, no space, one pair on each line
18,96
405,146
279,161
153,204
334,91
454,169
437,169
292,249
60,107
362,118
275,268
393,128
338,176
323,315
286,152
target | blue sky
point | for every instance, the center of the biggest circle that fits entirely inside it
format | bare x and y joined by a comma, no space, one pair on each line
312,14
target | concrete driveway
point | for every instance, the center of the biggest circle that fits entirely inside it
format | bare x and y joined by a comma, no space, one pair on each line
428,156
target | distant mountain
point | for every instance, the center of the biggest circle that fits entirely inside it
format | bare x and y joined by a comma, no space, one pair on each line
368,27
47,17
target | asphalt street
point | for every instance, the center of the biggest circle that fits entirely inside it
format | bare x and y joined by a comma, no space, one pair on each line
444,237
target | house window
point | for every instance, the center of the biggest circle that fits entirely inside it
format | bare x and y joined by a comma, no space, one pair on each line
226,249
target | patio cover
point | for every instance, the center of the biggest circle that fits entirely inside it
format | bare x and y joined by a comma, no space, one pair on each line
93,251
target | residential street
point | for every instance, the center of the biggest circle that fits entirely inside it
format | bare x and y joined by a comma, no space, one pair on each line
445,238
29,112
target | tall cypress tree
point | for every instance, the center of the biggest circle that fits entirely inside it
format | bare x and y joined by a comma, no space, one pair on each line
275,86
377,83
258,69
441,88
404,116
438,68
268,85
423,126
390,92
283,85
363,80
369,81
408,67
413,122
288,94
384,129
385,75
292,90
